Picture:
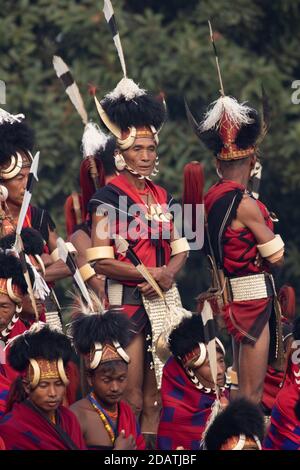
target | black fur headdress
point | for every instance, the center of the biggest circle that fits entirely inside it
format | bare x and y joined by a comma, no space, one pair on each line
14,135
107,327
45,343
239,417
186,336
10,267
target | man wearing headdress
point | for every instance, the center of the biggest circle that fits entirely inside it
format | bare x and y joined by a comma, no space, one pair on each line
188,391
241,242
13,289
35,418
16,144
107,422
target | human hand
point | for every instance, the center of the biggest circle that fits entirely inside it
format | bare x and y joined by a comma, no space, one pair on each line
125,443
163,277
147,290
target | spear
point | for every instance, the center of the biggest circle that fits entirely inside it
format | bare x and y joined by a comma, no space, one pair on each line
18,246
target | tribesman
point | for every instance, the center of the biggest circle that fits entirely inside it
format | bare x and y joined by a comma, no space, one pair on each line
240,240
284,430
35,418
132,206
13,289
188,391
107,422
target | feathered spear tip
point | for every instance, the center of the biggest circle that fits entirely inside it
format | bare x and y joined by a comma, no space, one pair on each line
237,113
93,140
72,90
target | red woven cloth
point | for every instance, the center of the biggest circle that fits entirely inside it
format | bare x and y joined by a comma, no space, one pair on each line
185,410
26,429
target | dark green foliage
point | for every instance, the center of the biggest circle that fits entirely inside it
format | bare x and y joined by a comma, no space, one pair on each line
167,49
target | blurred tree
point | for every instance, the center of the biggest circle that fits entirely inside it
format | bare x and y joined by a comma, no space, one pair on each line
167,48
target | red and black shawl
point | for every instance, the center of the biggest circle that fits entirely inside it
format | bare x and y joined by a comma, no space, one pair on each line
27,428
185,410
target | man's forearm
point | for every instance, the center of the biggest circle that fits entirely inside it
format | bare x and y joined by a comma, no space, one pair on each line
118,270
176,263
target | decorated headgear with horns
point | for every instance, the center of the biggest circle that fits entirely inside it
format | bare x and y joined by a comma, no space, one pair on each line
102,336
232,130
16,143
41,353
129,111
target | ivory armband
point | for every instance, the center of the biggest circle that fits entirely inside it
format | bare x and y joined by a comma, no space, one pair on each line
272,250
100,252
179,246
87,272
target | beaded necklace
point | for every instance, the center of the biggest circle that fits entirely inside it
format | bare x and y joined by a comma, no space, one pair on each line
106,420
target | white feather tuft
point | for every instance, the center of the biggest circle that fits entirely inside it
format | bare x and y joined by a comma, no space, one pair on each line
237,113
93,140
80,306
127,89
10,118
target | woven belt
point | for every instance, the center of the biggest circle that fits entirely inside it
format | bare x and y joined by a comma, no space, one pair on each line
119,294
254,287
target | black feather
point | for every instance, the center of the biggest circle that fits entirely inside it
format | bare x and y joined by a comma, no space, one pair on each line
249,133
185,337
106,156
296,329
46,343
13,137
103,328
211,140
10,266
239,417
145,110
32,241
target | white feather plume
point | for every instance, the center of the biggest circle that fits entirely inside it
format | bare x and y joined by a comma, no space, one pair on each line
126,88
93,140
237,113
10,118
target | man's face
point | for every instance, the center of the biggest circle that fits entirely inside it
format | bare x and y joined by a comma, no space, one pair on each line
48,395
16,187
109,382
203,373
141,156
27,308
7,310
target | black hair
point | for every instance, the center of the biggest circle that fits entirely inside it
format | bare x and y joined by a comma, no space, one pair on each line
240,417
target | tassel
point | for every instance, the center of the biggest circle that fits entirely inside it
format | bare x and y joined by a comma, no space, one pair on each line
193,187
